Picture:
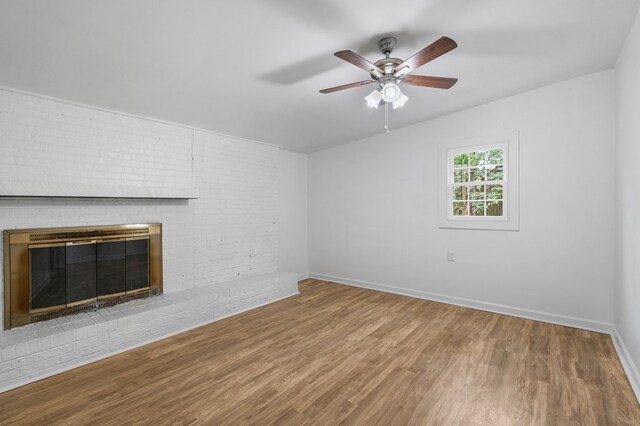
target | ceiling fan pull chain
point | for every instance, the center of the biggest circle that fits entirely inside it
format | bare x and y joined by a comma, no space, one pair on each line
386,119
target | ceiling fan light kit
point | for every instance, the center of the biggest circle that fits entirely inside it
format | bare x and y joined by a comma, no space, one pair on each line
400,101
389,73
390,92
373,99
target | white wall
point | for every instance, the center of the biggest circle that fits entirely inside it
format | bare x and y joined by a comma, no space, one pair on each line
292,213
627,290
54,148
373,207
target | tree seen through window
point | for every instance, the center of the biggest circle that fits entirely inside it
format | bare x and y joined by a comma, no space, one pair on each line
477,183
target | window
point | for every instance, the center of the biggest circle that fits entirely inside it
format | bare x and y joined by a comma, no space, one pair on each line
477,182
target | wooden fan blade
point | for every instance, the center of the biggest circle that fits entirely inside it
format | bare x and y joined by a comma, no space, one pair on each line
428,81
357,60
346,86
429,53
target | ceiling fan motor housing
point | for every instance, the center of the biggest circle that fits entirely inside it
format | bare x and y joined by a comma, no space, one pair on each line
387,64
387,44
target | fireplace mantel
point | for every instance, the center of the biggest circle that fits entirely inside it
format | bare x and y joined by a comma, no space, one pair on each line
40,190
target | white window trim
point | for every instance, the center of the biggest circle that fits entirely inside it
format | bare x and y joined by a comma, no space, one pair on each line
510,221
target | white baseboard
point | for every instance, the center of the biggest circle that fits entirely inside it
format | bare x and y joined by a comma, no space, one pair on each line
627,362
137,345
600,327
303,276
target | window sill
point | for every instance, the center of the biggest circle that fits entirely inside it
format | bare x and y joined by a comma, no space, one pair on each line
483,224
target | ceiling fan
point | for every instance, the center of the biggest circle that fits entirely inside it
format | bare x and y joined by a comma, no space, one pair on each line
390,72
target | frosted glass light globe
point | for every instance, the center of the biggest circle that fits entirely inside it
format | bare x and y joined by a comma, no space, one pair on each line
390,92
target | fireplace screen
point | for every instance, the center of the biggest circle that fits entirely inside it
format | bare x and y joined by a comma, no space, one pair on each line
58,271
137,264
111,268
81,272
47,264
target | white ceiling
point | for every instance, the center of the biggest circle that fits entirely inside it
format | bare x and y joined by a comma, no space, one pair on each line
253,68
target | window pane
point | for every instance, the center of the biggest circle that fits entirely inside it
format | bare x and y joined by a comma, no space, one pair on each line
460,193
476,158
494,156
461,175
477,174
476,192
494,208
477,208
460,208
495,173
494,192
461,160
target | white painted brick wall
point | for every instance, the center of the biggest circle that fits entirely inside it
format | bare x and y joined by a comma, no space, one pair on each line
54,148
236,216
50,148
230,232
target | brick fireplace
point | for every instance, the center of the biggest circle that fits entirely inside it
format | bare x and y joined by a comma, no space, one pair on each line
217,198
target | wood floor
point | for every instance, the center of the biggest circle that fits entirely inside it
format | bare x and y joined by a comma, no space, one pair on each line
337,354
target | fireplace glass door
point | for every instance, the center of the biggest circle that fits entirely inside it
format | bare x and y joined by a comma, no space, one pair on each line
81,272
47,276
78,272
137,263
111,268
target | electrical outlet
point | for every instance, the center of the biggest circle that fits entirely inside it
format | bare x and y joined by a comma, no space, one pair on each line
451,256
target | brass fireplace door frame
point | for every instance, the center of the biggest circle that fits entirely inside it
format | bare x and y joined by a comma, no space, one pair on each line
17,289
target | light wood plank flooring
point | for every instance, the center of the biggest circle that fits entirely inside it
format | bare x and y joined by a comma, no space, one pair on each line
337,354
